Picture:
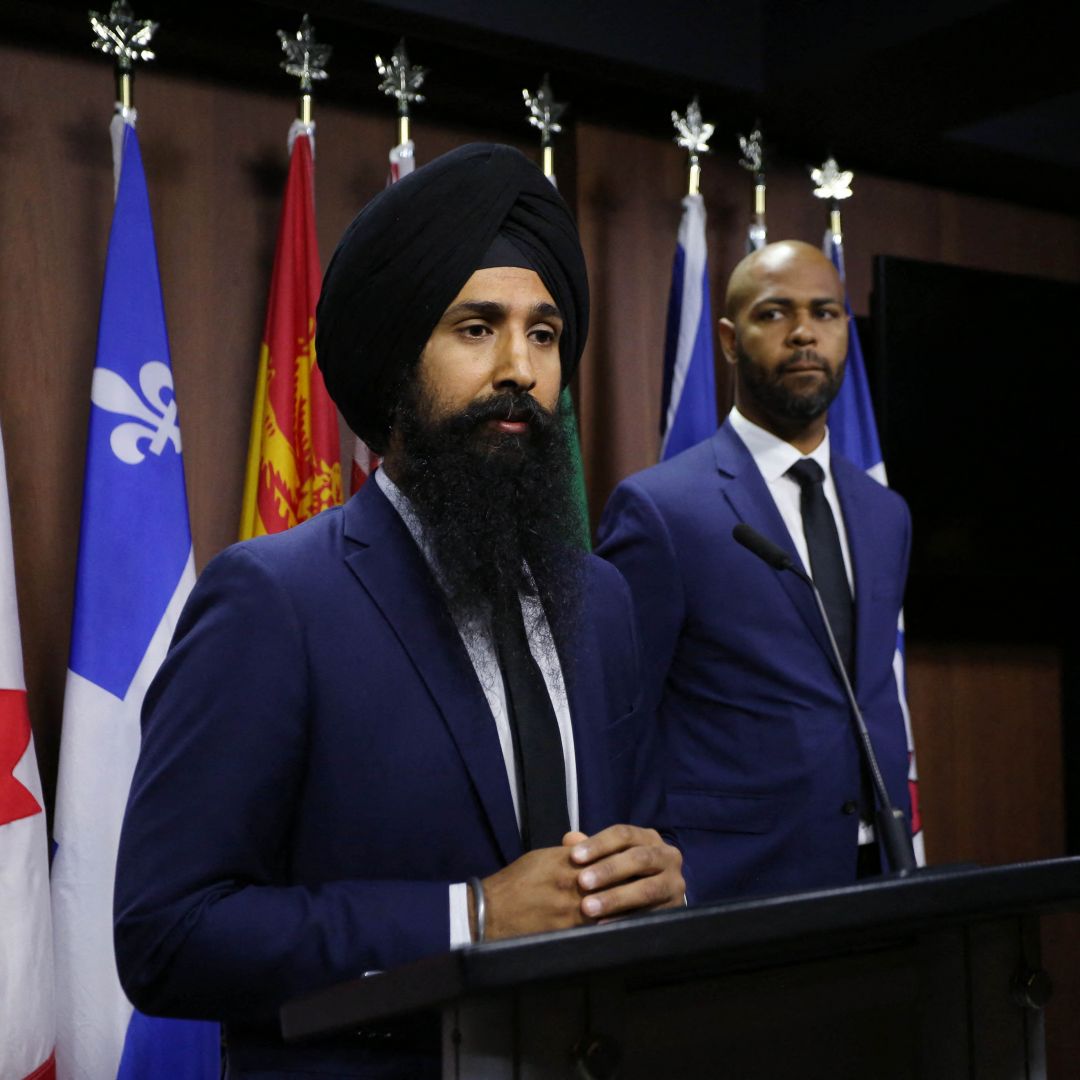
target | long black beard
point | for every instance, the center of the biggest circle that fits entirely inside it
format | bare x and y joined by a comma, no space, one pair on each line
500,514
776,399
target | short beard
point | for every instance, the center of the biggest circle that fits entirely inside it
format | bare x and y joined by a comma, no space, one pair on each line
500,513
773,397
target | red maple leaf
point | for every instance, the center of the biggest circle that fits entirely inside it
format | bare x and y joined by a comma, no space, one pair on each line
15,801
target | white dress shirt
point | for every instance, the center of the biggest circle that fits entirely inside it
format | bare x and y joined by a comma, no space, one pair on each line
481,648
773,458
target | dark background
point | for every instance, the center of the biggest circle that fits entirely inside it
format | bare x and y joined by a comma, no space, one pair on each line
973,95
983,459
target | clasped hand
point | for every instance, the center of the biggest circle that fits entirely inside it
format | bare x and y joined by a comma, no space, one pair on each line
587,880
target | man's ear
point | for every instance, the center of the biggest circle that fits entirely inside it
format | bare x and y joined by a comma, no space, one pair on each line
726,329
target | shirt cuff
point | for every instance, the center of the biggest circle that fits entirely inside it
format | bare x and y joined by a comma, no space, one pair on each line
460,931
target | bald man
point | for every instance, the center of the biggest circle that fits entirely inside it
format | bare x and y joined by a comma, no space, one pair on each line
765,790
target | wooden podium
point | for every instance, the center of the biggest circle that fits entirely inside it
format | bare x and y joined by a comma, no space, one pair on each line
935,976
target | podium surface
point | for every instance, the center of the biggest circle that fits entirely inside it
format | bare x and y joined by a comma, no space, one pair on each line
935,975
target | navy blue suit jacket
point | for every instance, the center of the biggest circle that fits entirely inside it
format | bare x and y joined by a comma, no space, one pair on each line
761,765
319,763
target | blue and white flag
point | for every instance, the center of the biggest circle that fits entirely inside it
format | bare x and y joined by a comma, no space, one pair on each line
135,570
688,404
853,434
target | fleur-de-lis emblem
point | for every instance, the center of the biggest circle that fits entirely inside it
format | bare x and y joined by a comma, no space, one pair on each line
153,422
831,182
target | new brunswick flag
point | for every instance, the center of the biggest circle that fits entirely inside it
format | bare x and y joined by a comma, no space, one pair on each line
294,462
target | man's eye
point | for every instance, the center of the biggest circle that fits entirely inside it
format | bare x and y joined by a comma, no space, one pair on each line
474,330
542,335
769,315
828,313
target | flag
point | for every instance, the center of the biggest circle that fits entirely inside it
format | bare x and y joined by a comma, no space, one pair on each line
402,160
364,460
853,434
577,467
26,964
135,569
688,400
294,460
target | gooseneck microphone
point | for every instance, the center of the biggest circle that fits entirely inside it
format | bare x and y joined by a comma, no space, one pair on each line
895,834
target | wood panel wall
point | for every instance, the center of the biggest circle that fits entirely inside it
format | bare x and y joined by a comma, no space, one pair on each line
987,722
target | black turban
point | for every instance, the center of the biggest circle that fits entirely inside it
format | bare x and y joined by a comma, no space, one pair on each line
409,252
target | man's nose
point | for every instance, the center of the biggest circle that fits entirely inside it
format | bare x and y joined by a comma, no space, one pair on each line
514,367
802,331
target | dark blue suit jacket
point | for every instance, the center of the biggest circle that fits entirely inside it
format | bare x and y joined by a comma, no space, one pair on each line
319,763
761,766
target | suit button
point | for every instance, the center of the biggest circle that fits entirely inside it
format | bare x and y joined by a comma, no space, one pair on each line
849,807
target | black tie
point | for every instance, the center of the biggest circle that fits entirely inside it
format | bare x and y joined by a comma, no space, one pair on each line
538,749
826,556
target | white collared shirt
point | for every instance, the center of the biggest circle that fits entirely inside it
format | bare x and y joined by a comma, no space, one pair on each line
773,458
481,648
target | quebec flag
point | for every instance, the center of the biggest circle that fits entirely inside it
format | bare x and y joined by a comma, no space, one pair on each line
853,434
688,402
135,570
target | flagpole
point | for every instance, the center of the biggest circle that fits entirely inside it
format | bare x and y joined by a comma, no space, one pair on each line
833,185
305,59
402,81
693,135
753,160
688,387
544,115
853,433
125,38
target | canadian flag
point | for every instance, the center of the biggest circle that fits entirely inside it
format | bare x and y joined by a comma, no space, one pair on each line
26,964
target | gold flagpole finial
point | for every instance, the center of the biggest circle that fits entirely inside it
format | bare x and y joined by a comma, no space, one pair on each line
693,135
835,185
544,115
120,35
753,160
306,59
401,80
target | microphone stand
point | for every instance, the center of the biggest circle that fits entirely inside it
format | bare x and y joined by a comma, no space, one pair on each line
895,835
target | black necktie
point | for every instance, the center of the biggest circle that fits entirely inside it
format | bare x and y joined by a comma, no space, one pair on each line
538,750
826,556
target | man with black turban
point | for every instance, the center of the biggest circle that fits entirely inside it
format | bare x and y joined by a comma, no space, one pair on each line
412,722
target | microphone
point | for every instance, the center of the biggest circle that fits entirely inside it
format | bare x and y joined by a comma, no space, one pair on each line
763,548
892,824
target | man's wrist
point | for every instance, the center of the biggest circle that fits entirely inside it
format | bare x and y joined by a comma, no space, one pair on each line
477,910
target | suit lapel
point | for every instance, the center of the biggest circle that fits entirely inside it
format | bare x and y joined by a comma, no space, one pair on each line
382,554
749,497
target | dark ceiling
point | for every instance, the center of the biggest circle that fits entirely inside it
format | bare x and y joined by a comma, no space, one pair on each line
964,94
